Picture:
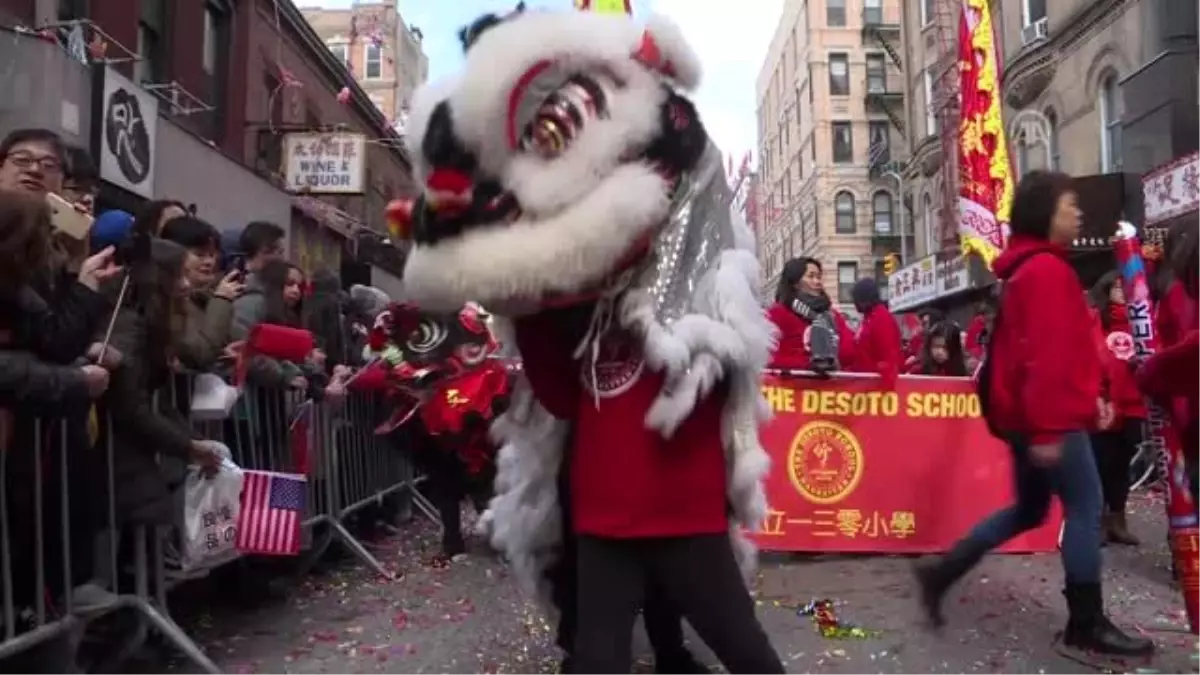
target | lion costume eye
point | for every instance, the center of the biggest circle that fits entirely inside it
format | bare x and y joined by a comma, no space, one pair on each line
564,115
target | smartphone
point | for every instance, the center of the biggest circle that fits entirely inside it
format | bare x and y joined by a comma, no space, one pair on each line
238,264
67,219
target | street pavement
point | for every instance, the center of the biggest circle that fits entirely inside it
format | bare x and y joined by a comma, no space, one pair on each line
470,617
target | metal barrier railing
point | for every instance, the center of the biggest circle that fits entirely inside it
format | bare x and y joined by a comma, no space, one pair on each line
61,568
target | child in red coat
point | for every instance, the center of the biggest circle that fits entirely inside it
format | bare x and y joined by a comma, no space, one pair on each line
942,353
1122,427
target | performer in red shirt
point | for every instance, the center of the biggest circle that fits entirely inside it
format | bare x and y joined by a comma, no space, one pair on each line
570,187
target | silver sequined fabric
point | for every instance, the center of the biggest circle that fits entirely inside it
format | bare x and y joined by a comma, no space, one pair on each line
698,229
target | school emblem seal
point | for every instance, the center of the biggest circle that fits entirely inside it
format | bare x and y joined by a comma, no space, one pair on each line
825,462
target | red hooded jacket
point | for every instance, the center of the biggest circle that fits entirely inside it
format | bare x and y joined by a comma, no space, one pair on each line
792,351
1043,385
1115,347
879,348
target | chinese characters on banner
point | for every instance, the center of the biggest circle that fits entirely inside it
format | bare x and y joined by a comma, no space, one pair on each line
325,163
1172,190
985,176
857,468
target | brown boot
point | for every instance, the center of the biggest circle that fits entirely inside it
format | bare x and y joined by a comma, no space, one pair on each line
1117,529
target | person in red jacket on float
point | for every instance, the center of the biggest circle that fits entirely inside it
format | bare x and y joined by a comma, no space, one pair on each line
1122,424
1040,391
878,344
812,334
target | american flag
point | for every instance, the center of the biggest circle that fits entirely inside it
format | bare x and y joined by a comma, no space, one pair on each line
272,508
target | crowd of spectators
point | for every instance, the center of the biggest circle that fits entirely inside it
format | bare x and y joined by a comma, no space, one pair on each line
98,338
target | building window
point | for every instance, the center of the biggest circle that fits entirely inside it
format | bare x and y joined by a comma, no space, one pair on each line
880,143
927,12
1032,11
72,10
927,220
839,75
1022,158
876,74
1054,158
341,51
843,209
881,210
216,64
152,41
873,12
931,126
835,13
843,143
847,275
1110,124
372,61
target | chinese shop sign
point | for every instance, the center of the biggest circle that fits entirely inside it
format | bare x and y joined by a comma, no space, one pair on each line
1172,190
858,468
332,163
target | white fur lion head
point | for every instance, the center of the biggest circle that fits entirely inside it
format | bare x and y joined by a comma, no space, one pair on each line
549,161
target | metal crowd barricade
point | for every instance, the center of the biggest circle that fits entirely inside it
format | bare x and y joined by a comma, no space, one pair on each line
349,467
50,513
47,499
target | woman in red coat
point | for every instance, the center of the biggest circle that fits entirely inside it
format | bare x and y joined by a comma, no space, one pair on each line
812,334
1123,426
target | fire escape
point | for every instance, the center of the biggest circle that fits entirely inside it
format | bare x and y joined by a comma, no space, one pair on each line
885,94
947,110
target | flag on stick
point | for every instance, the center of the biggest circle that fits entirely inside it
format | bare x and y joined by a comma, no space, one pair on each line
272,508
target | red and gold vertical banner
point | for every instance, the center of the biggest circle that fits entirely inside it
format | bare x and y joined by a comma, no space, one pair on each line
985,173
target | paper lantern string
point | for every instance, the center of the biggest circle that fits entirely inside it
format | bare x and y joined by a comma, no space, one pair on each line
828,624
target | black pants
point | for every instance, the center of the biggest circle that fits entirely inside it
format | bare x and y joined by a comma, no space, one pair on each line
664,625
697,575
1114,450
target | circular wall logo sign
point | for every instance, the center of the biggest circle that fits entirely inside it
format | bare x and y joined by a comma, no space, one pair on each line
825,462
126,137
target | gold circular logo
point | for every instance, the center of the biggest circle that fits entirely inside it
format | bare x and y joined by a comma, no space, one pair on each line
825,462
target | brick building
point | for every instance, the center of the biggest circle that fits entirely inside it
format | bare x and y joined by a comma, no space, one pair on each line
204,72
380,49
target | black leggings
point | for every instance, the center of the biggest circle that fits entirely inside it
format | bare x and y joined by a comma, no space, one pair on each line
1114,451
697,575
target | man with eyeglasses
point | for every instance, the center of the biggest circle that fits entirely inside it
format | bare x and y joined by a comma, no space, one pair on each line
31,160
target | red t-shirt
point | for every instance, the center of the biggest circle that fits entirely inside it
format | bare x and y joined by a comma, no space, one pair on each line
627,481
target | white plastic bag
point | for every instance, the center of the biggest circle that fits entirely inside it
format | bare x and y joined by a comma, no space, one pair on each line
210,514
212,398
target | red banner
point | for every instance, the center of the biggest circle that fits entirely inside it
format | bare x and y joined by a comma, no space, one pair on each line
860,468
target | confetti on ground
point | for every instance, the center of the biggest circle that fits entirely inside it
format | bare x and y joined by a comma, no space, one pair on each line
469,615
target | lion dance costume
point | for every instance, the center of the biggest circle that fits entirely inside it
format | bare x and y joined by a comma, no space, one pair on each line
570,187
438,371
